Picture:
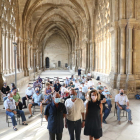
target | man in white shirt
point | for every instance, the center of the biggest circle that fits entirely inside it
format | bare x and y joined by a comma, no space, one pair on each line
28,95
91,84
77,84
75,108
123,104
10,107
99,86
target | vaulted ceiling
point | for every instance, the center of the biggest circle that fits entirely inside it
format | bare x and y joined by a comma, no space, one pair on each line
43,18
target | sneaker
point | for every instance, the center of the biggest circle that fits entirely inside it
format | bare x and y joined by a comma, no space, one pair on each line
130,122
24,124
119,122
24,107
104,122
15,128
30,116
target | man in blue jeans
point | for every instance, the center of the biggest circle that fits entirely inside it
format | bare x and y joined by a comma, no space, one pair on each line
105,109
10,107
123,104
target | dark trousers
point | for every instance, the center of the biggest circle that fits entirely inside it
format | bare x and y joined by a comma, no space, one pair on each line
12,115
24,98
106,113
74,126
19,107
52,136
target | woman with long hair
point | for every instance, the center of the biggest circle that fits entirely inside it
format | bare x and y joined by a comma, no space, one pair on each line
93,121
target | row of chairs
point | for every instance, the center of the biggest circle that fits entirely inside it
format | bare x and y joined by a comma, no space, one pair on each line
37,109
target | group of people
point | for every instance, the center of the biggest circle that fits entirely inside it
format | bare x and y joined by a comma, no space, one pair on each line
77,101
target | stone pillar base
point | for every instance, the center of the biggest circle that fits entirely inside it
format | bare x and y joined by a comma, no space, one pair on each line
113,80
26,72
121,81
131,85
76,68
87,70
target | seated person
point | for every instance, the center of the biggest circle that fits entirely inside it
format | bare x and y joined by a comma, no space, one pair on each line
123,104
83,97
77,85
107,95
28,95
37,84
72,78
82,88
57,79
99,86
91,84
83,79
57,87
48,80
47,96
89,75
12,86
87,85
36,100
105,109
17,99
5,90
39,79
10,107
64,92
67,82
71,85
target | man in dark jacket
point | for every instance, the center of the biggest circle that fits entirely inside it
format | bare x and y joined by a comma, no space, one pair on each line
54,114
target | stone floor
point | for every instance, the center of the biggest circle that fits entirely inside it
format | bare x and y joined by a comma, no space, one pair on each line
34,131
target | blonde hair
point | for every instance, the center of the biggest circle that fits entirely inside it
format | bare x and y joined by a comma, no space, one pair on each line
94,91
47,83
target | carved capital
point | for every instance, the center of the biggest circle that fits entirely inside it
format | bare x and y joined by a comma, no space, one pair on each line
122,23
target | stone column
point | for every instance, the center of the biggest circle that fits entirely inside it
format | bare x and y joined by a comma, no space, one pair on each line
95,47
21,57
26,71
4,53
122,9
104,54
1,56
121,82
130,28
32,58
10,71
114,51
87,63
8,52
130,80
92,57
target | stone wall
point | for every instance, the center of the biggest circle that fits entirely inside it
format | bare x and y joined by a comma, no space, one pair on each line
57,50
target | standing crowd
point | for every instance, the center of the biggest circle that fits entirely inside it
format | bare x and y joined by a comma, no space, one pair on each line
76,104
